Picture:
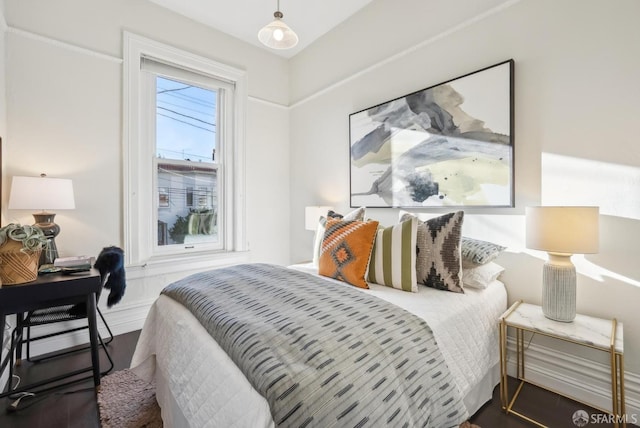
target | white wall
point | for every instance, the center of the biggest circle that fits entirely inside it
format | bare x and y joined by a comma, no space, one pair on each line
64,104
577,100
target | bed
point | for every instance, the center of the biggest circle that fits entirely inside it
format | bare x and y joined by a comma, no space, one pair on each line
199,385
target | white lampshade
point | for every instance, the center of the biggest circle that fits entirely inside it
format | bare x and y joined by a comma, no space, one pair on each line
566,230
41,193
277,34
312,214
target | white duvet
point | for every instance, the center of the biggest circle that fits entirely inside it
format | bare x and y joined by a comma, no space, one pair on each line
198,385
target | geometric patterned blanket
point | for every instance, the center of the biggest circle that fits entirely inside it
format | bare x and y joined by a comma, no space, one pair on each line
323,354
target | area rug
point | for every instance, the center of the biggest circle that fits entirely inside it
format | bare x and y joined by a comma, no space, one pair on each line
126,401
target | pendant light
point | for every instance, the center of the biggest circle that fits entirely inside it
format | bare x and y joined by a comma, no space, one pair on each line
277,34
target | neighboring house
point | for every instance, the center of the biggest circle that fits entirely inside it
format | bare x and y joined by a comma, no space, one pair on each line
187,191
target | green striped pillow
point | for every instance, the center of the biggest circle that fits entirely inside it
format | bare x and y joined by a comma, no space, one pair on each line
393,260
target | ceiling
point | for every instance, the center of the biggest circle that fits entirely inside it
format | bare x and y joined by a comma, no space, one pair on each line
310,19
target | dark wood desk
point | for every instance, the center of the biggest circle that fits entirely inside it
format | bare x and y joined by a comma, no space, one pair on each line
48,291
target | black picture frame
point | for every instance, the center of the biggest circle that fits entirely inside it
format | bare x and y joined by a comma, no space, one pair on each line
448,145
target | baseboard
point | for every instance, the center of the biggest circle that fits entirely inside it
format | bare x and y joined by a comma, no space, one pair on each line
121,319
583,379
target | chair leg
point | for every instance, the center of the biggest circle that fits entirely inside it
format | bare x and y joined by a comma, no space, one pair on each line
28,343
20,328
106,325
106,351
14,339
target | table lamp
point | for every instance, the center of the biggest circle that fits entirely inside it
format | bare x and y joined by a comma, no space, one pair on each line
561,232
43,193
312,214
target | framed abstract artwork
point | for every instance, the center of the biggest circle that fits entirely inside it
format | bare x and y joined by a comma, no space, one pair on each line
449,145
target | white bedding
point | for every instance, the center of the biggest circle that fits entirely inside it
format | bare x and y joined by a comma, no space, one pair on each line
198,385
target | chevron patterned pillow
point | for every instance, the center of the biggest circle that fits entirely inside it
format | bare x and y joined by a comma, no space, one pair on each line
346,249
439,262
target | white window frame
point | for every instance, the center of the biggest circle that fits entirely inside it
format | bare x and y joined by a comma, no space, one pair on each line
225,101
139,191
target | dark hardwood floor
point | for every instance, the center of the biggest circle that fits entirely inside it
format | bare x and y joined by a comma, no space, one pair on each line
67,408
64,407
541,405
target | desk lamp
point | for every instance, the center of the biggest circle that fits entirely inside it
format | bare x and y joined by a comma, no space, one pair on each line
46,194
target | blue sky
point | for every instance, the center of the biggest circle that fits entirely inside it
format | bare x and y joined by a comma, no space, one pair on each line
185,126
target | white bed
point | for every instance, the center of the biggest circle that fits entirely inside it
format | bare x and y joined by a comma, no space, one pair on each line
198,385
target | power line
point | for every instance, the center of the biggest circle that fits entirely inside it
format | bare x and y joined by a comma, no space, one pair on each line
175,89
205,113
192,100
186,115
186,97
185,122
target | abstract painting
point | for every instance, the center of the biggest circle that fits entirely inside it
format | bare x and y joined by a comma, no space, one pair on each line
449,145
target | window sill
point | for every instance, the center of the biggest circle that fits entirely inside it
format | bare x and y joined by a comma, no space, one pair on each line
161,265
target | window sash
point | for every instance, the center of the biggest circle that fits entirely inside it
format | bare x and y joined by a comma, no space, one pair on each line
199,194
150,70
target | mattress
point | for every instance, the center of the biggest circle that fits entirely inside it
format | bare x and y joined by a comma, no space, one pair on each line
198,385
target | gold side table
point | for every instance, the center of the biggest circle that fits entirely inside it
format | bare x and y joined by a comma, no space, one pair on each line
596,333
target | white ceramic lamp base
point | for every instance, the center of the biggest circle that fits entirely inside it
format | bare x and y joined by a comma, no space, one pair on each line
559,288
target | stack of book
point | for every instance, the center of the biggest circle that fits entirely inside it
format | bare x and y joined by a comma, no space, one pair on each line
75,263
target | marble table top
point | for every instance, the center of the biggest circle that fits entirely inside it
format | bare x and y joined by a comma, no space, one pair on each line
584,329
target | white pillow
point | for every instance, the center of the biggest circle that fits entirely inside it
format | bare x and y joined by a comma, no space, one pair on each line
481,276
317,240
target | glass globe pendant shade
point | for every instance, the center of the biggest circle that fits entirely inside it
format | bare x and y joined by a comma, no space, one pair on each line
277,34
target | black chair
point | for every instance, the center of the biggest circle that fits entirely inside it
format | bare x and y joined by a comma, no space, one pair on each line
110,264
54,315
42,317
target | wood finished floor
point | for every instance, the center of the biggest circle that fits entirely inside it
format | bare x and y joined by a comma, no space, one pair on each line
59,409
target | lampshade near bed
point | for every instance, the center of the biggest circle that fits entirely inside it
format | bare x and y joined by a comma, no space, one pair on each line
312,215
561,232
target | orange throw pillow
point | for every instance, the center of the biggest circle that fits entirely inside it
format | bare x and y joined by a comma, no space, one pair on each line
346,249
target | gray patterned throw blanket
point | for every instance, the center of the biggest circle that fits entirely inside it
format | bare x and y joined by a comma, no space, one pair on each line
323,354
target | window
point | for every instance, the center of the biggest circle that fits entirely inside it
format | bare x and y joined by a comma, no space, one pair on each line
187,110
189,197
184,142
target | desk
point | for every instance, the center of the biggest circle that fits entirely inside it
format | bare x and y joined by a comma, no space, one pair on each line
49,291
